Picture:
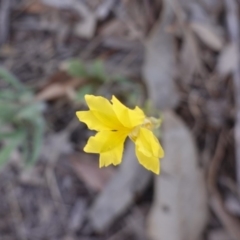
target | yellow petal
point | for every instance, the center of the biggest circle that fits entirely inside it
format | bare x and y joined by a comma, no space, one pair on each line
111,157
102,109
128,117
148,144
105,141
92,122
150,163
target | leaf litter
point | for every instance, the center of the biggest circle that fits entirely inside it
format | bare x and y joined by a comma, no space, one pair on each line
56,198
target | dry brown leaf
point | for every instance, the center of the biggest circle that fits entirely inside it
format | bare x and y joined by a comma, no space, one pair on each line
113,28
208,35
57,90
160,65
228,59
90,173
59,85
190,61
37,7
180,190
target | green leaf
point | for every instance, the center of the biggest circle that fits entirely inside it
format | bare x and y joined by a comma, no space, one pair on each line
11,79
8,95
120,79
11,144
30,112
76,68
7,111
37,137
26,97
87,89
132,98
7,135
97,71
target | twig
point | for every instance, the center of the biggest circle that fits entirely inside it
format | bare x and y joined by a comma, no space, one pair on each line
233,28
16,213
5,7
230,223
53,185
215,163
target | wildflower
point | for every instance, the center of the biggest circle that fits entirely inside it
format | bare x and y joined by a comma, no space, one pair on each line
114,122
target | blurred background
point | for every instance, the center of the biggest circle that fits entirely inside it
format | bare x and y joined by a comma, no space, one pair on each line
174,58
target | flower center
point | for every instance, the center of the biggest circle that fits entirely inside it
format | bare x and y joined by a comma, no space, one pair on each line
149,123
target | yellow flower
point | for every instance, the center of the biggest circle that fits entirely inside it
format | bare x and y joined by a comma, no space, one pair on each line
114,122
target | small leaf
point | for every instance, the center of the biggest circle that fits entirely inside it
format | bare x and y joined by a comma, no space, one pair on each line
25,149
37,136
11,79
120,79
11,144
7,94
97,71
76,68
87,89
7,111
228,60
208,35
30,112
7,135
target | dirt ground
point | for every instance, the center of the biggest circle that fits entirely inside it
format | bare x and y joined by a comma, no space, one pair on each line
51,199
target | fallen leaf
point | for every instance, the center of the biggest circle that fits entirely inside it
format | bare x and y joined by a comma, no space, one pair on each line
160,65
56,90
114,28
190,61
59,85
86,28
228,60
180,189
36,7
208,35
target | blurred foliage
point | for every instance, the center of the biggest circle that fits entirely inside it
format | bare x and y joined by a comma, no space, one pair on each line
94,71
21,120
98,82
